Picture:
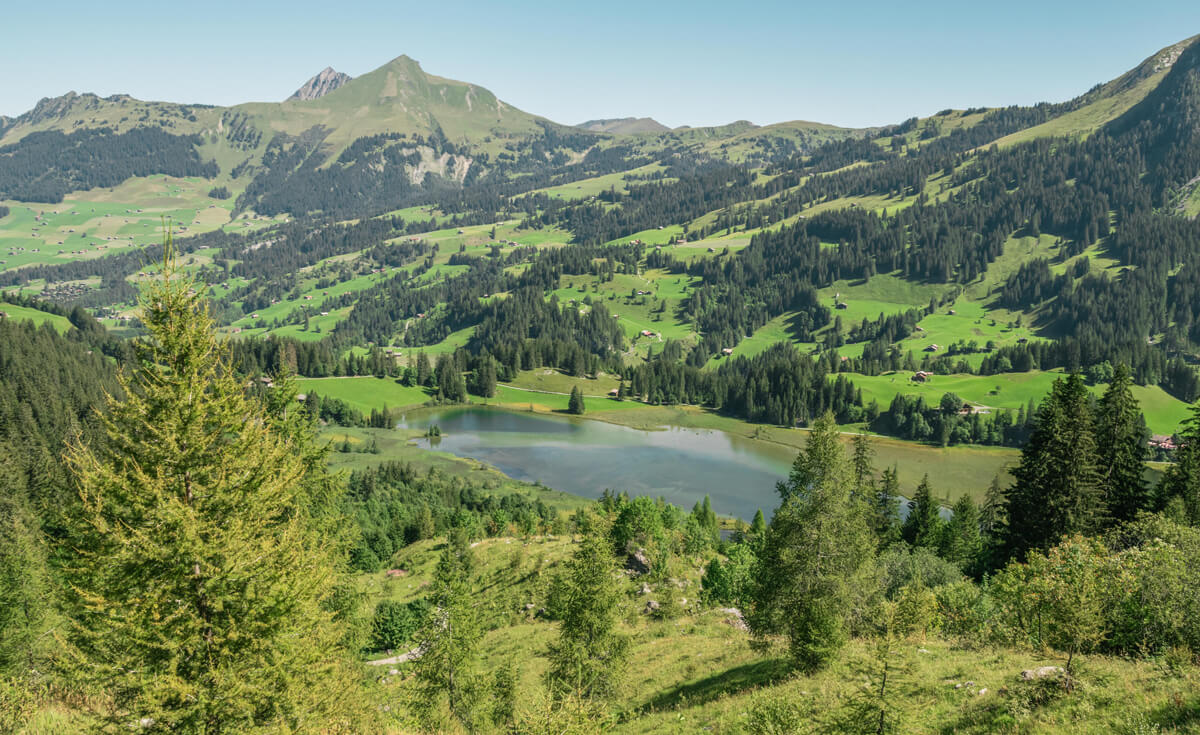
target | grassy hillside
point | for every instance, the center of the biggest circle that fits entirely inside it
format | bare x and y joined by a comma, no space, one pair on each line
699,673
60,323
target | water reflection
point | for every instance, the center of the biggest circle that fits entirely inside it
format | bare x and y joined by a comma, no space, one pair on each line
586,457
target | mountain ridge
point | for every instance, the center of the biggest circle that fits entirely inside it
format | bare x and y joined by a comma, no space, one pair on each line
624,125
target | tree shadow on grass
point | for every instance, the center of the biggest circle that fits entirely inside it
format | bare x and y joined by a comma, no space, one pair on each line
1179,714
728,682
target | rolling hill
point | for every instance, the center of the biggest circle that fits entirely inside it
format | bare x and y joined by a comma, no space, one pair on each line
624,126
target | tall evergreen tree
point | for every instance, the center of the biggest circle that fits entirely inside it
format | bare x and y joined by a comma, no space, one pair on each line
818,548
587,658
451,386
485,377
424,370
197,579
1121,448
862,462
993,524
924,526
885,514
1182,480
449,637
575,404
1057,490
962,542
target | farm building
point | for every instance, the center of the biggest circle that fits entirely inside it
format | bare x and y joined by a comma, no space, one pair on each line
932,348
921,376
1161,441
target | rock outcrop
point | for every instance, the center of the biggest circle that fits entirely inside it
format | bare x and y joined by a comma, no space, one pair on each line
320,85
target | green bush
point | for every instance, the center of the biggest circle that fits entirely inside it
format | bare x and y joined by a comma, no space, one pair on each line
394,623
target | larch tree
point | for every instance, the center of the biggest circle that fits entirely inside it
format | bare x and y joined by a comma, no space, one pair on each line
447,680
24,582
589,655
817,551
196,576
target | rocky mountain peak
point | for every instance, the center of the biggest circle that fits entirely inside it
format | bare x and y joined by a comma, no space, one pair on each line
322,84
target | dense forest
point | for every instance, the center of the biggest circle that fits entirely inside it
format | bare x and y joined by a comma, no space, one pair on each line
44,166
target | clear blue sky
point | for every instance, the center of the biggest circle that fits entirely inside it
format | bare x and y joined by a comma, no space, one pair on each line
695,63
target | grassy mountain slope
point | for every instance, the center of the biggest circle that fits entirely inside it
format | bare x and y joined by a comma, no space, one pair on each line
625,126
1108,102
698,672
398,97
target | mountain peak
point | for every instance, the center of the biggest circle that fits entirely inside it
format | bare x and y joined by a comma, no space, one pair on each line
322,84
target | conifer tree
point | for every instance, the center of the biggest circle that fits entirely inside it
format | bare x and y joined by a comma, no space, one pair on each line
424,370
924,526
993,524
575,404
885,516
485,377
1182,480
863,465
1121,449
962,543
817,549
1057,490
589,655
758,527
24,582
197,578
451,386
445,671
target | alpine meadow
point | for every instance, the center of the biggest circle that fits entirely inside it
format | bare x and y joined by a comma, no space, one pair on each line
394,408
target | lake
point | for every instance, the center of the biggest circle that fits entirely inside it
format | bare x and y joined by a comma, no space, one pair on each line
585,457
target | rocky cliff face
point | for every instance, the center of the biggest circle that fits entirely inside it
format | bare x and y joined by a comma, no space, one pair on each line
320,85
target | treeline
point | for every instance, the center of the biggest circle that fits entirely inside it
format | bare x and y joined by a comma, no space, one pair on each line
778,386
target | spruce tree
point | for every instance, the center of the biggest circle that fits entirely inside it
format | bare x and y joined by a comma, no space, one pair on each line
885,516
197,578
817,550
993,524
1121,449
962,543
924,526
451,386
1182,480
424,370
1057,490
589,655
575,404
863,466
